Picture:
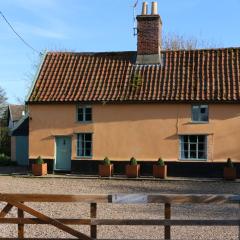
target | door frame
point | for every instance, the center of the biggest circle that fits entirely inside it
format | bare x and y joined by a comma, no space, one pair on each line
55,153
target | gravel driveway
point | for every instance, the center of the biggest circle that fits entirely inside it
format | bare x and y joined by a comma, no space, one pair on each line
151,211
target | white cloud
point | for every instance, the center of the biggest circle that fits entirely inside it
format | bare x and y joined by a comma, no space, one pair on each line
36,4
28,29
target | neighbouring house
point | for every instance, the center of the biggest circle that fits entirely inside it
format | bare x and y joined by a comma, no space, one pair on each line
183,106
18,129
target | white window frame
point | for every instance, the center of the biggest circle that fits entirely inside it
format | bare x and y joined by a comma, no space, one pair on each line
181,143
84,142
84,114
199,107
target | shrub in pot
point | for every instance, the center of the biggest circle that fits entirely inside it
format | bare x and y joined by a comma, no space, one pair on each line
39,168
106,168
229,171
160,169
133,168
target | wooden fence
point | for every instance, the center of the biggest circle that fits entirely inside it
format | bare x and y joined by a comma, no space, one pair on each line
18,200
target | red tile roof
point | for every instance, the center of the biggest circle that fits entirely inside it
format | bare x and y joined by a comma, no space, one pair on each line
187,75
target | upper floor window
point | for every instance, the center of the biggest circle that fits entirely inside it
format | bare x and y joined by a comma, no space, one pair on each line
84,114
200,113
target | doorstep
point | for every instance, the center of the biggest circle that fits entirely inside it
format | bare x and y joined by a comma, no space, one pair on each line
123,177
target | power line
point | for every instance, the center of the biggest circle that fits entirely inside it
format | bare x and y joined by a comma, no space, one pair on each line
18,35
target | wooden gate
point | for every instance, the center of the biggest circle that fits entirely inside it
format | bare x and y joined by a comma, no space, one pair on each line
18,200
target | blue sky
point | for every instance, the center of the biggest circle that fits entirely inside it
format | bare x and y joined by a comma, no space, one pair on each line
99,25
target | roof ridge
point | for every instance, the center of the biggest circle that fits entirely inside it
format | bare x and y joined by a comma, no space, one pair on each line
164,51
89,53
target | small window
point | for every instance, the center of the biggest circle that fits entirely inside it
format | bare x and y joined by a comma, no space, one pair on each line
200,113
84,114
193,147
84,145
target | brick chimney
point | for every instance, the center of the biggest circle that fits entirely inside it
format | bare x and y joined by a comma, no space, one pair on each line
149,41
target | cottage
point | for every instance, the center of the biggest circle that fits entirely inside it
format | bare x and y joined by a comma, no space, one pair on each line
183,106
18,129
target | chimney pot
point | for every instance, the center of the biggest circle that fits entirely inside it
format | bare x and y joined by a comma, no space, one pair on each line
144,8
149,43
154,8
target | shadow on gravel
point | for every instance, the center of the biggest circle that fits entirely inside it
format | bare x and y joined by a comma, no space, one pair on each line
178,187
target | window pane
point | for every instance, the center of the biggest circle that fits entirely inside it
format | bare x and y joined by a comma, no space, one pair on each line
80,145
88,152
201,146
193,155
88,117
185,147
184,154
204,117
201,139
193,147
88,114
88,137
204,113
195,113
202,155
88,144
203,110
80,114
193,139
88,110
185,139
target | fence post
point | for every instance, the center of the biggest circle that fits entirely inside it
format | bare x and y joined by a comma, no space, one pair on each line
20,225
93,214
167,215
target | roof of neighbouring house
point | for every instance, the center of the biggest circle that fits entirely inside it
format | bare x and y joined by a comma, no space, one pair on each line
211,75
16,111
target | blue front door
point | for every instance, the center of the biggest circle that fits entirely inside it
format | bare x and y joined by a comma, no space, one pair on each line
22,150
63,154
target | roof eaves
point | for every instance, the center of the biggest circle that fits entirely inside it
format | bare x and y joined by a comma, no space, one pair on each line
35,77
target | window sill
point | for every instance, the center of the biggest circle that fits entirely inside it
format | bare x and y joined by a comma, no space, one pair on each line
193,160
83,158
84,122
199,122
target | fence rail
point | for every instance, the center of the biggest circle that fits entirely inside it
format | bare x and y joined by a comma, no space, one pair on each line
18,200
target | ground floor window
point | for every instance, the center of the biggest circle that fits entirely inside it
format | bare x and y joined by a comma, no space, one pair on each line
193,147
84,144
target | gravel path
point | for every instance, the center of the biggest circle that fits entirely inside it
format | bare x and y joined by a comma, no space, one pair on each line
151,211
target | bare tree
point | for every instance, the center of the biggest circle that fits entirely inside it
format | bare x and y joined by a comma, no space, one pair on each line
4,137
179,42
3,101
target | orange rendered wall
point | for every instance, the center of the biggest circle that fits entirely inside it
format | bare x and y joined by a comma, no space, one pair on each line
145,131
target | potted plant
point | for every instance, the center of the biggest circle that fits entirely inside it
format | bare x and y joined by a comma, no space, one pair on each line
39,168
229,171
160,169
133,168
105,169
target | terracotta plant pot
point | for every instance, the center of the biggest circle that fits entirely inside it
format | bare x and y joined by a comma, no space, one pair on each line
105,170
229,173
132,171
160,171
39,169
